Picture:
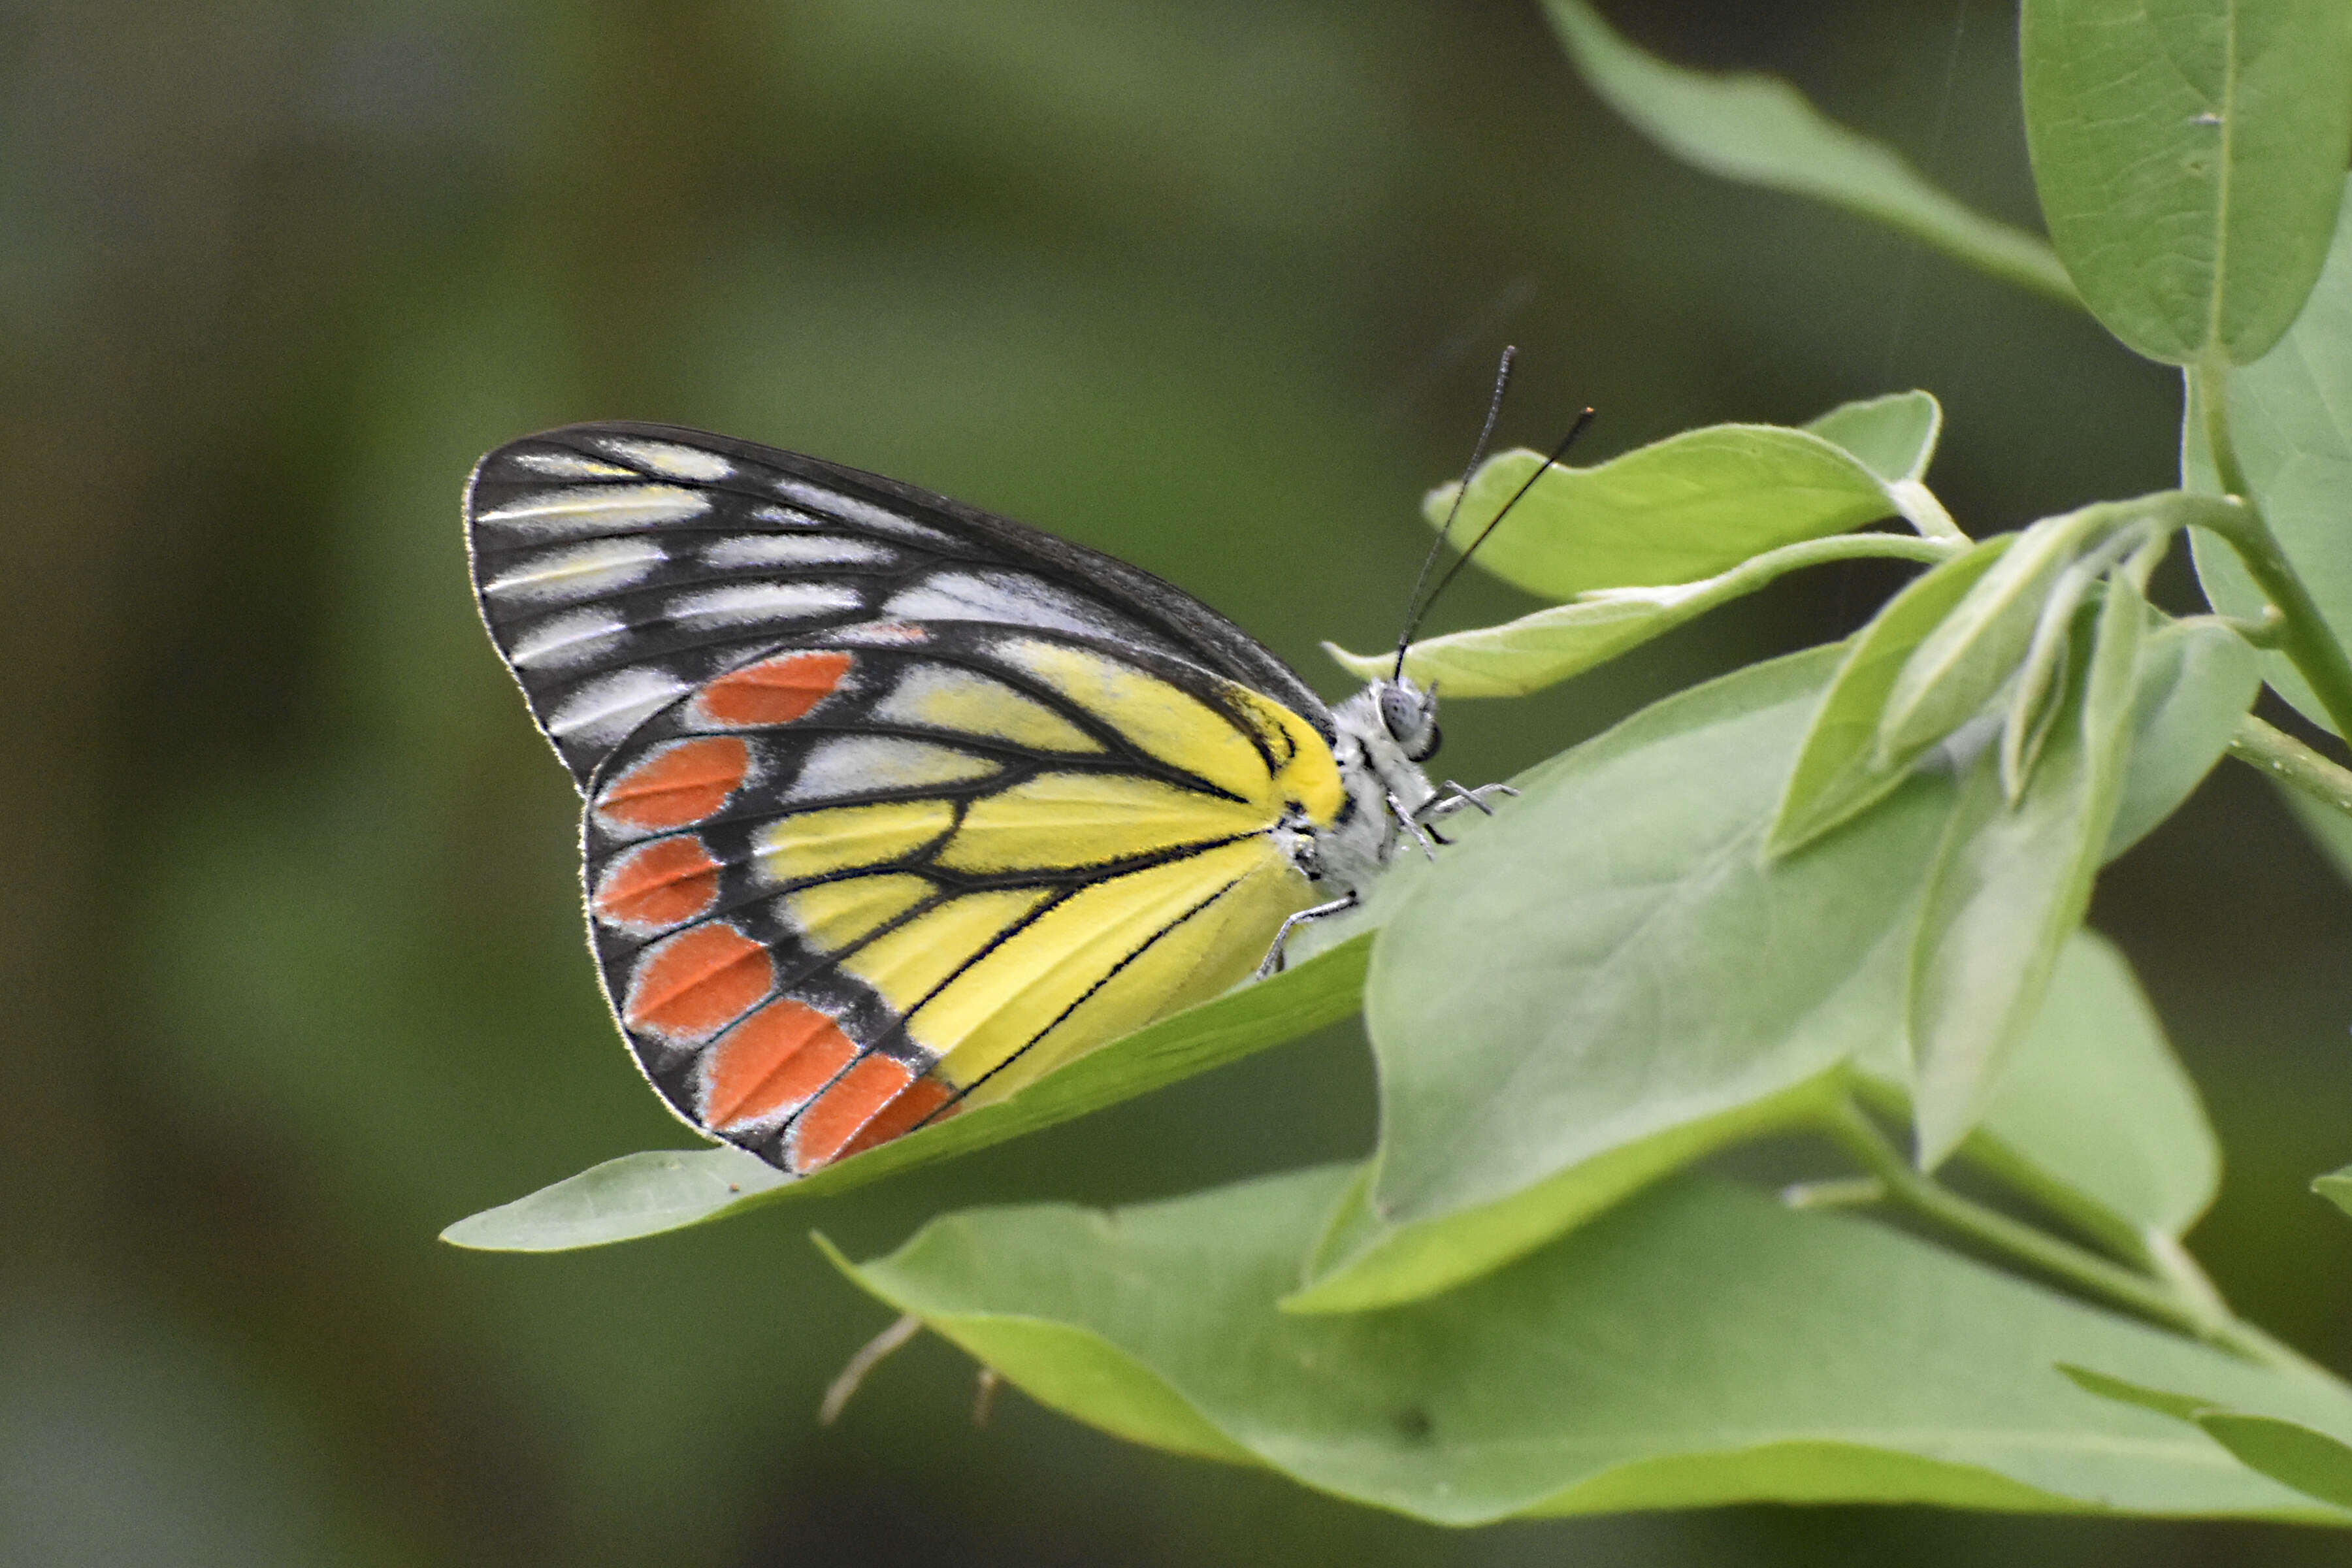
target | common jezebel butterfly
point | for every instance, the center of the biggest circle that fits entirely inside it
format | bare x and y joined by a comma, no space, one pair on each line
894,805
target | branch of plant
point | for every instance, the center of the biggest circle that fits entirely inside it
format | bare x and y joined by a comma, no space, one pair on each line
1923,512
2176,1298
2292,763
1845,547
2304,636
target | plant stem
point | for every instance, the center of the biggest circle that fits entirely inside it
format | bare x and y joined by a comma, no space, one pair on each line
1923,512
1851,547
2196,1311
2292,763
2305,638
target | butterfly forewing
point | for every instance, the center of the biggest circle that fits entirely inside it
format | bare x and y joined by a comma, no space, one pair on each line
892,806
619,566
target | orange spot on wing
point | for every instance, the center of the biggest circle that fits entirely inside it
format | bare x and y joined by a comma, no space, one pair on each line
678,785
772,1061
772,692
664,883
691,985
916,1103
828,1128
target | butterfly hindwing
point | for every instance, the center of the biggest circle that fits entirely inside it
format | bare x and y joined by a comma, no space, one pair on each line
870,872
620,566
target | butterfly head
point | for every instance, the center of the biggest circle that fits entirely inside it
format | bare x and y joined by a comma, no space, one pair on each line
1409,713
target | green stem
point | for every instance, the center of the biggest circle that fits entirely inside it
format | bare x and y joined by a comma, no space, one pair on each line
2292,763
2305,638
1923,512
2170,1301
1848,546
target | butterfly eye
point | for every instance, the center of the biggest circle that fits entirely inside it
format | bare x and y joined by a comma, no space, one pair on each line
1411,719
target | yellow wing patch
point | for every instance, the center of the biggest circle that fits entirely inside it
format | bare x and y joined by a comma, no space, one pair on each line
1057,821
1178,728
833,915
1107,961
1209,954
844,838
910,963
949,699
1308,772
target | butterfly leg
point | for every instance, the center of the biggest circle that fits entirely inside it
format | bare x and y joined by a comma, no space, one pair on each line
1412,825
1273,964
1454,797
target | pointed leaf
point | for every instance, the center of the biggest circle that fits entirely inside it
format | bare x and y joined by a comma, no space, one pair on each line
1894,436
2190,158
1702,1345
1838,774
1677,511
1759,131
1551,645
2010,885
2286,1451
2337,1188
1961,663
2094,1115
664,1190
2311,1461
2197,680
2291,416
1609,962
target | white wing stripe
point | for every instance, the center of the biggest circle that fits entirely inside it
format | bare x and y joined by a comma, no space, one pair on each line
794,550
670,459
749,601
854,765
866,514
567,639
569,466
598,507
578,572
608,709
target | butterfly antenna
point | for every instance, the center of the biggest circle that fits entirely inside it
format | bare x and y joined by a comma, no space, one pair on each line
1477,455
1541,469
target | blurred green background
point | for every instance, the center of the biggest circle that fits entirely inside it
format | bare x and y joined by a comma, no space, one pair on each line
294,971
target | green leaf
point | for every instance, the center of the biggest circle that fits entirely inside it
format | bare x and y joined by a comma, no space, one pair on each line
2179,1406
1759,131
1894,436
2286,1451
2190,155
2094,1099
2291,417
2197,678
2010,885
1838,774
2311,1461
1960,664
663,1190
2094,1115
1363,1261
2337,1188
1551,645
1612,962
1701,1344
1677,511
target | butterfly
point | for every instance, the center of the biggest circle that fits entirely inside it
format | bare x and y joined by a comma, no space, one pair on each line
892,804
